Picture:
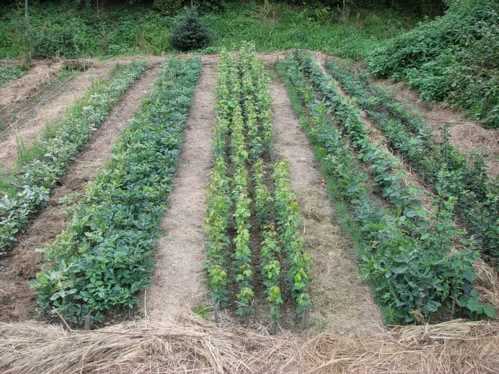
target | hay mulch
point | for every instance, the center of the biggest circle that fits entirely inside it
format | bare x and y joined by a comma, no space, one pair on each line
191,345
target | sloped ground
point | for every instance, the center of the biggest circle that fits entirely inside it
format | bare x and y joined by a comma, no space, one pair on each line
341,302
173,342
467,136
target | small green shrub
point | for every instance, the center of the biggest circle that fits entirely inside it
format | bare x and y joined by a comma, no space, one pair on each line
189,33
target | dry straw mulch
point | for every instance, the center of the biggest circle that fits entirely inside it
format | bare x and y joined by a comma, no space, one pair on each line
191,345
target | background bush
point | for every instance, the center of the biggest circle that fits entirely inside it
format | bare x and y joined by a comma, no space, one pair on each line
453,58
122,27
189,32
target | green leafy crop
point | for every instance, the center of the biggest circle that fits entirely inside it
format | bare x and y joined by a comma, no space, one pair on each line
104,256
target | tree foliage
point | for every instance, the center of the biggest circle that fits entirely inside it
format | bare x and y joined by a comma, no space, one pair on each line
189,33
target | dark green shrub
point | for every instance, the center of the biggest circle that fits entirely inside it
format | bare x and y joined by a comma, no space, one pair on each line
189,33
453,58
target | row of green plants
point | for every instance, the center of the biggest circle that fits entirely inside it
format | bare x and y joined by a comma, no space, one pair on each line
440,165
412,282
253,221
386,170
40,168
105,255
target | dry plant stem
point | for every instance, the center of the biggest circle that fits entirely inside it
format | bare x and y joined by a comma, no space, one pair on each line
192,345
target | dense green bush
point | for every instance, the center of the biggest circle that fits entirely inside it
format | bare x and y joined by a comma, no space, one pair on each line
453,58
189,33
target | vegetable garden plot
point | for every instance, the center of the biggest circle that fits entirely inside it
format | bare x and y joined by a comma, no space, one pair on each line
441,165
179,282
104,257
342,302
27,84
253,220
46,104
29,188
19,268
415,275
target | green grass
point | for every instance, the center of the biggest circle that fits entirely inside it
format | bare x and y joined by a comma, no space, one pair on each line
8,73
67,31
295,27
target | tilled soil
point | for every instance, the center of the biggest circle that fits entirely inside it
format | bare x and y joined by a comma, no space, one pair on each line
45,115
21,113
17,299
29,83
342,303
178,278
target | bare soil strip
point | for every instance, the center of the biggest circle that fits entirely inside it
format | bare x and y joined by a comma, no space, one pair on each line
20,113
16,298
47,114
178,279
341,302
467,136
28,84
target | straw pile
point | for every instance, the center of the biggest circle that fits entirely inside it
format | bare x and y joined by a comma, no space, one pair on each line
191,345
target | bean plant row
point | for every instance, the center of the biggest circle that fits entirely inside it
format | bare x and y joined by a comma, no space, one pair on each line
253,219
440,165
412,281
104,257
434,228
52,154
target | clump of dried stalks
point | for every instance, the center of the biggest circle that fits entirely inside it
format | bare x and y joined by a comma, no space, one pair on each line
191,345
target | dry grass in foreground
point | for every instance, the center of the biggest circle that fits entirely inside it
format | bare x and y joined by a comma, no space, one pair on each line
191,345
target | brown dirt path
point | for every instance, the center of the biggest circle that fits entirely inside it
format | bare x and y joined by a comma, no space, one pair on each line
342,303
16,298
178,279
47,114
29,83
